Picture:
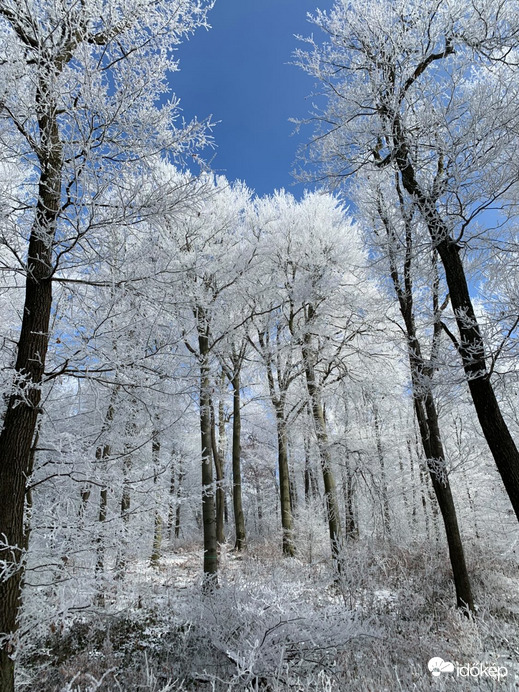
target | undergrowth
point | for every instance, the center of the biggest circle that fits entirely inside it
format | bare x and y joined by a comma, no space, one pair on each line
283,624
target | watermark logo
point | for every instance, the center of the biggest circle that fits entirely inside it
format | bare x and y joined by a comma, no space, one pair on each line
437,666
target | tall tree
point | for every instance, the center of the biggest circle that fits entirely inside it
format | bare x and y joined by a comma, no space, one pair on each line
319,318
397,224
410,88
80,84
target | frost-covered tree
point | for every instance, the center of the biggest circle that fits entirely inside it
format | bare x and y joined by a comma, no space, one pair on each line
427,91
79,90
318,297
393,226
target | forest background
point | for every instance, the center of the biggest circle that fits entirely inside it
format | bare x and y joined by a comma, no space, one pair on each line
253,440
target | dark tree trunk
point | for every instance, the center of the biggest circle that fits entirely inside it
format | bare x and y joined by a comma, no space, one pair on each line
351,530
208,494
103,452
311,485
284,484
428,423
239,520
23,406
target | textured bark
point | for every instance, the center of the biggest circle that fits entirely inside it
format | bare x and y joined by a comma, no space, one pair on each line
208,496
284,484
311,485
428,423
156,549
220,492
23,406
350,525
103,452
239,519
386,516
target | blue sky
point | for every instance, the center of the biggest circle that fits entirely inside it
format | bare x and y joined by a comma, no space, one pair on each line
238,72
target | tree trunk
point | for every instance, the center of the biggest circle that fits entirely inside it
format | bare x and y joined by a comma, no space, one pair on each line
208,495
386,516
239,519
122,548
311,486
351,530
330,490
284,485
220,492
103,452
23,406
433,449
156,549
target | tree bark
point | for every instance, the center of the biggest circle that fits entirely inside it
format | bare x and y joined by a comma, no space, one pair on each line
284,484
278,401
208,495
239,519
23,406
350,525
386,516
156,549
311,485
220,492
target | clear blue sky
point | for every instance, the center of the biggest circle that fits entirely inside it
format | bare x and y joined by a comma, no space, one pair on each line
238,72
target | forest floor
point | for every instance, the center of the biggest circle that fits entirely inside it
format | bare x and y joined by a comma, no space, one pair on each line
285,624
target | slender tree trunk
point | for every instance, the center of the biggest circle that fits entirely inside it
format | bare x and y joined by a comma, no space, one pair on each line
278,401
351,530
222,447
284,484
103,452
156,550
122,548
23,407
172,495
405,498
330,490
311,486
239,519
414,513
208,494
220,492
179,498
292,478
386,516
259,504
